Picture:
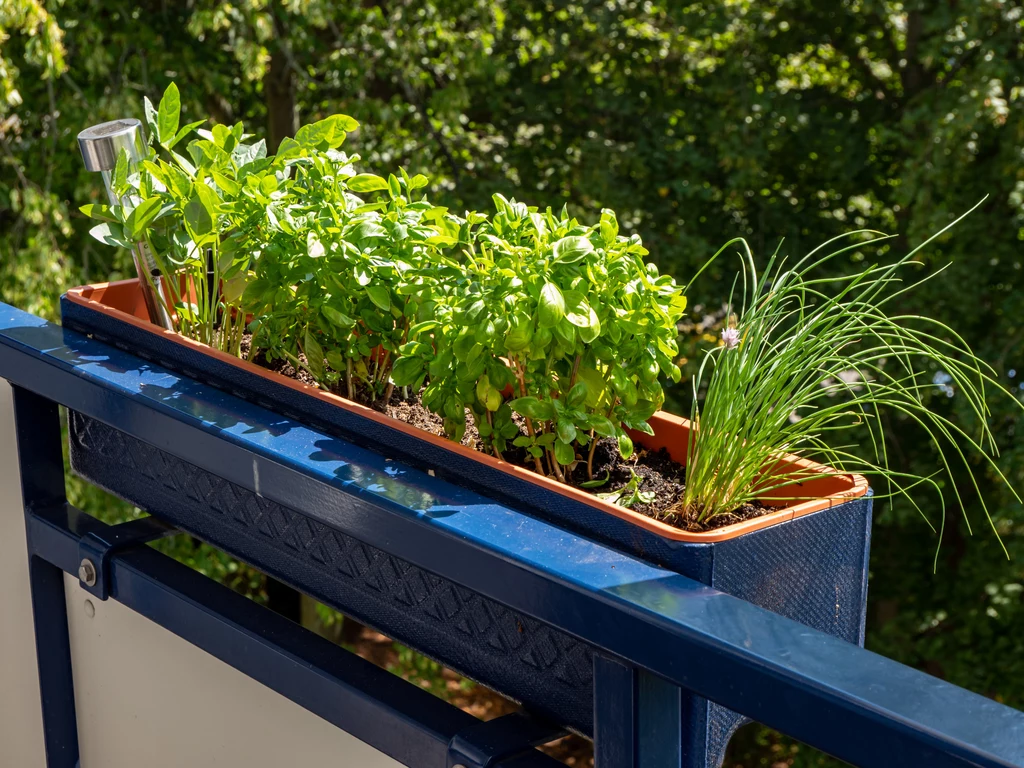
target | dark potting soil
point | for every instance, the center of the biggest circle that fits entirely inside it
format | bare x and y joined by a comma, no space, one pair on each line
659,473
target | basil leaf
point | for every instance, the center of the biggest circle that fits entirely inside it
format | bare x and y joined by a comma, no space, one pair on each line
552,306
98,212
152,119
143,214
602,425
577,395
407,371
566,430
569,250
532,408
625,445
366,182
183,132
314,248
564,453
168,115
314,356
609,226
110,234
379,295
519,337
337,318
335,360
198,218
597,482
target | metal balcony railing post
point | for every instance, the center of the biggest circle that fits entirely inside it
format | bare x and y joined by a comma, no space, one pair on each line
640,720
37,427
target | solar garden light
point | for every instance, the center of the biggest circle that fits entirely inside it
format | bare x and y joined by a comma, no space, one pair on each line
100,145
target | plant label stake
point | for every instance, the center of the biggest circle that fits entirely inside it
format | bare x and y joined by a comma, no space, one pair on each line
100,145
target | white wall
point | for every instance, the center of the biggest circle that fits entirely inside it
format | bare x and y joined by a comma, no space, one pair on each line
146,697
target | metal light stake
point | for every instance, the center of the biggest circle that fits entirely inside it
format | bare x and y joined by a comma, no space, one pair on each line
101,145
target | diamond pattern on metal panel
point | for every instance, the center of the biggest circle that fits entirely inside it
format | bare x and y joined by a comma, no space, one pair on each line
439,607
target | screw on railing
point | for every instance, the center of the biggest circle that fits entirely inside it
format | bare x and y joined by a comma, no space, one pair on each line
87,573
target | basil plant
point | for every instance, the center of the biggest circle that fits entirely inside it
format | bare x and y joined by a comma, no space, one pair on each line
561,323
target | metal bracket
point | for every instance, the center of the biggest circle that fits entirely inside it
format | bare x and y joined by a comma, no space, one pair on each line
487,744
96,550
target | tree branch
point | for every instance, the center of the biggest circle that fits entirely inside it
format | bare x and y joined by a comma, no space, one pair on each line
410,96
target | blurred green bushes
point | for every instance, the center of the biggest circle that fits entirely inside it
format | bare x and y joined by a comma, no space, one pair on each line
697,121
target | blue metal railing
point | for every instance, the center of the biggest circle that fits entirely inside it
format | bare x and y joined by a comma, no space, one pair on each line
658,636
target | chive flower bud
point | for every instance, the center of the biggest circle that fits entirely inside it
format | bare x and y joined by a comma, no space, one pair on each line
731,338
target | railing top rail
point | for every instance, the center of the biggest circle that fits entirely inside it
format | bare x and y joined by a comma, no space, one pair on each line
847,701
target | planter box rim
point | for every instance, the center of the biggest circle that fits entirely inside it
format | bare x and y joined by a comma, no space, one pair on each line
126,305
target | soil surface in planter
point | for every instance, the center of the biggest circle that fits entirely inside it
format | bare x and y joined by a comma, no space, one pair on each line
660,475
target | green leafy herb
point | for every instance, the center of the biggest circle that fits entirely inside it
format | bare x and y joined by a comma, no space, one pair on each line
576,324
629,494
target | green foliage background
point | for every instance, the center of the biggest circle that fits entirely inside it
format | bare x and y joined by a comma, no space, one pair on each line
696,121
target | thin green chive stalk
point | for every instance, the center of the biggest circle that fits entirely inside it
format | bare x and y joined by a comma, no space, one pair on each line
805,358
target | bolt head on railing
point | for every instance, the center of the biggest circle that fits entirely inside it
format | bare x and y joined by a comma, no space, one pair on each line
87,573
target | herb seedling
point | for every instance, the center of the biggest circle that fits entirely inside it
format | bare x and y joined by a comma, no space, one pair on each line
629,494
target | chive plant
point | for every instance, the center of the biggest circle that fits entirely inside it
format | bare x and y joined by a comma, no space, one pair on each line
805,359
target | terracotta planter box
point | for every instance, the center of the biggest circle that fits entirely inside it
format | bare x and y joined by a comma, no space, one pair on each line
807,561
